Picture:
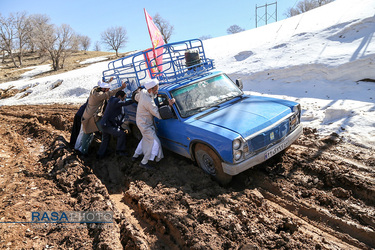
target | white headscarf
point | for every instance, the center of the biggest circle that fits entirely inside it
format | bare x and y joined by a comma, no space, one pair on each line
150,84
104,85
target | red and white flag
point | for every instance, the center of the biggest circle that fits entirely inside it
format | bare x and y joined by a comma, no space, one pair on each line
157,40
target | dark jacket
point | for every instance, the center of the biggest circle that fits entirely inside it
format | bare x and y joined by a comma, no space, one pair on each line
113,113
95,108
81,110
77,125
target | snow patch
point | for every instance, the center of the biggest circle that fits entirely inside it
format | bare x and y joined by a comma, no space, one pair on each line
93,60
36,70
334,115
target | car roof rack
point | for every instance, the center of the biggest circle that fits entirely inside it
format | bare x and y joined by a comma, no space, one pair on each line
174,62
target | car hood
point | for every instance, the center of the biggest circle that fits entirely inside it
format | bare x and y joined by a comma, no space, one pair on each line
247,115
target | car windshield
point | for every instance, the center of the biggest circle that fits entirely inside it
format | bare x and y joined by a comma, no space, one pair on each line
205,94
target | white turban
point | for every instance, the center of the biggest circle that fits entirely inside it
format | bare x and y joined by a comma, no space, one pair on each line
150,84
104,85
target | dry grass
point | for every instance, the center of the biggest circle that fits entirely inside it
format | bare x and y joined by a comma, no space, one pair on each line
10,73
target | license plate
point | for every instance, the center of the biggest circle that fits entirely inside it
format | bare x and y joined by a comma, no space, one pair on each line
275,150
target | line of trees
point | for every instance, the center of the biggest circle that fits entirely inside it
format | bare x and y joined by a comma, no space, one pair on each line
304,6
21,33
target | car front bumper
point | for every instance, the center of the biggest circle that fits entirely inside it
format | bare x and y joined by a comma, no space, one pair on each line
233,169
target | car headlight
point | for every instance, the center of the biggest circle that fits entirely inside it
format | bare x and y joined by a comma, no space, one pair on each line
237,155
240,149
236,144
297,109
294,119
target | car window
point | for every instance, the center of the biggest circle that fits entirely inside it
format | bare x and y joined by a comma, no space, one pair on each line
204,94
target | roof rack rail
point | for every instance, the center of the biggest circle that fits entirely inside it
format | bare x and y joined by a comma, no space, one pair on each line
178,61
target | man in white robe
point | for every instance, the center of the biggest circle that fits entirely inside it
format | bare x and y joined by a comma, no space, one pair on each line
150,145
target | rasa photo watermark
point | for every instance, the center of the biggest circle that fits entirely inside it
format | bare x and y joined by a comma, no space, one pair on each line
72,217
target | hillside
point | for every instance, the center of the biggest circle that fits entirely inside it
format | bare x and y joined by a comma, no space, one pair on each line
32,61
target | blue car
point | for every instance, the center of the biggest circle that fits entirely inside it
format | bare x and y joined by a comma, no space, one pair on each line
212,121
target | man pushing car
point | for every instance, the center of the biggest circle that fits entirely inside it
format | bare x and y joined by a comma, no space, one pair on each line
150,145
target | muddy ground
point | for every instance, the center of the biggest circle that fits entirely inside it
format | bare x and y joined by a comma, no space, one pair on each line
320,194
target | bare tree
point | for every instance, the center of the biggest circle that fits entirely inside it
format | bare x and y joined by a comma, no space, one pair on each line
14,33
97,46
8,36
164,27
58,42
292,12
2,44
85,42
3,51
42,34
205,37
234,29
304,6
66,42
38,23
75,42
23,29
323,2
115,38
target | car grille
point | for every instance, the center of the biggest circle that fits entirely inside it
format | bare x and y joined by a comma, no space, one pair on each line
268,138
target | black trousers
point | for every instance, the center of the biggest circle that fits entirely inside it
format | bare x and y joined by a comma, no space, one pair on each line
75,130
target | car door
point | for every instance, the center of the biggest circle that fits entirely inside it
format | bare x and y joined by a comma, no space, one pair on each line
172,132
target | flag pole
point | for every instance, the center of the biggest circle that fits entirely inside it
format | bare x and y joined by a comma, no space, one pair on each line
153,46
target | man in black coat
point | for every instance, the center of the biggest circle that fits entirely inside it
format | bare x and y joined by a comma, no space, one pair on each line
111,125
77,125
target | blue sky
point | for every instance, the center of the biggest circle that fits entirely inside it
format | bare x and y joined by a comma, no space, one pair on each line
191,19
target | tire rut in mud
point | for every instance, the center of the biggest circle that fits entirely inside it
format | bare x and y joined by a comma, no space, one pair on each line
333,192
25,187
320,188
85,189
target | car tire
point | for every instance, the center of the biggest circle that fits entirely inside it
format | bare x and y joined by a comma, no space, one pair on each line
208,160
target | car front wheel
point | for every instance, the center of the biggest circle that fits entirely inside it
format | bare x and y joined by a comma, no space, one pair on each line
208,160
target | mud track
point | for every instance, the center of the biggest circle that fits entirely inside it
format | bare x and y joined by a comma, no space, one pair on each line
319,194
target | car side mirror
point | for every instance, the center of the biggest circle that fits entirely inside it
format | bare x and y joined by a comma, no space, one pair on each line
166,112
239,83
